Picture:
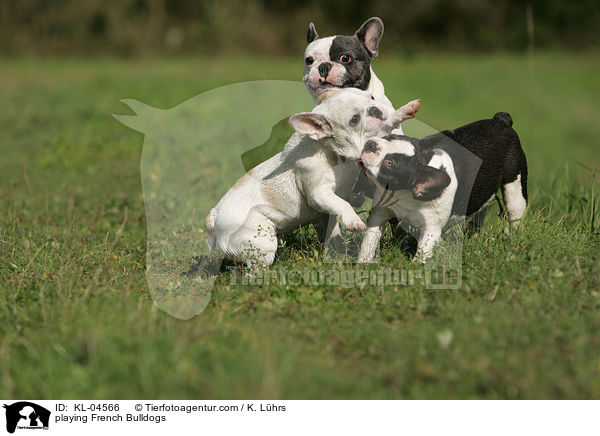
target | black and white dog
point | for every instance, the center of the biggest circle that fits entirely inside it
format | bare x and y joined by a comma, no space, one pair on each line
453,173
342,61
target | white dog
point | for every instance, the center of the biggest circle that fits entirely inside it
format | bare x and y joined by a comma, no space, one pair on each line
308,180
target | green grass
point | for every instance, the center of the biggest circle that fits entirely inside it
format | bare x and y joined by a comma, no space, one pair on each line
77,321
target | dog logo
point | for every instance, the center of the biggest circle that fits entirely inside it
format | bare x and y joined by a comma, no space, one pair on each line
214,128
26,415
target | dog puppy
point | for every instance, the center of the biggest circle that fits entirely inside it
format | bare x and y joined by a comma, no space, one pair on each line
342,61
308,180
424,182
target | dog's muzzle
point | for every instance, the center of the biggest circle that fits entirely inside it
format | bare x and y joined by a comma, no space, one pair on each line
371,147
374,111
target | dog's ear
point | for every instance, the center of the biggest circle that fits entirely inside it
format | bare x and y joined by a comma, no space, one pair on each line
316,126
404,113
370,34
429,182
311,34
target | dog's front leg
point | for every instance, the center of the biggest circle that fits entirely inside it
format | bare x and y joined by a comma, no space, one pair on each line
324,199
370,242
427,239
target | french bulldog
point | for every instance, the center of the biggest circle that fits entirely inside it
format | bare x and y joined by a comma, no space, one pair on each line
454,173
342,61
308,180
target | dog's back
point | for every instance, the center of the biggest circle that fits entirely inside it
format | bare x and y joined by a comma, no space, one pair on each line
503,161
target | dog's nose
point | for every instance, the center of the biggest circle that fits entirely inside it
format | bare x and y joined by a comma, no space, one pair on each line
324,69
374,111
370,146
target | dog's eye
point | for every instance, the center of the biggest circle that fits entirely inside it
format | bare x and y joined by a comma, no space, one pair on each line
309,60
354,120
345,59
388,163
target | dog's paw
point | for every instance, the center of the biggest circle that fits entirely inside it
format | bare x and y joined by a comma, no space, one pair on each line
418,259
353,222
364,259
422,257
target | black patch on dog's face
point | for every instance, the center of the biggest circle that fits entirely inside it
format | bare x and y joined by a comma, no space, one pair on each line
359,67
397,171
374,111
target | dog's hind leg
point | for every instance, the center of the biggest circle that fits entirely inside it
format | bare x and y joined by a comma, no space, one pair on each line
255,242
254,249
515,198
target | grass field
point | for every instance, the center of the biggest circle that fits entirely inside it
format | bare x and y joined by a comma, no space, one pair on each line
77,321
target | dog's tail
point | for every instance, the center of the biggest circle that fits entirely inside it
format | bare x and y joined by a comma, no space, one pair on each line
504,118
209,225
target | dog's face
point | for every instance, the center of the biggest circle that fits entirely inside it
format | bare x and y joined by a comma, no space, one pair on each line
398,162
341,61
344,121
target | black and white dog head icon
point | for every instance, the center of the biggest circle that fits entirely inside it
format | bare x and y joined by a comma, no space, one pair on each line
26,414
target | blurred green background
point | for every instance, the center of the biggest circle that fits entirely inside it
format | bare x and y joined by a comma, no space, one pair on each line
271,27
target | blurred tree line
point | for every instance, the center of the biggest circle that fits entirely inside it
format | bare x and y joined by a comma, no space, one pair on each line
278,27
